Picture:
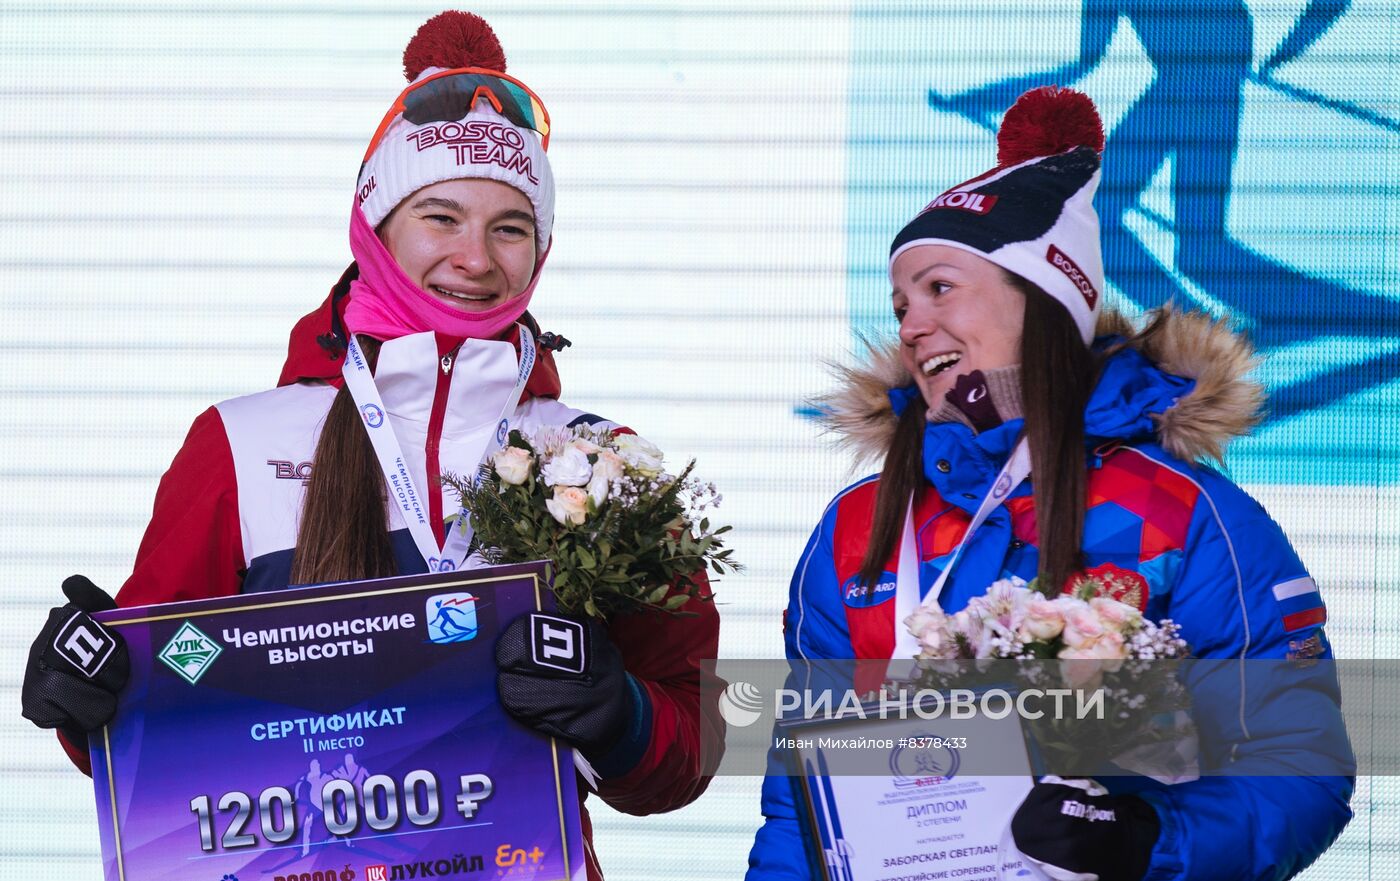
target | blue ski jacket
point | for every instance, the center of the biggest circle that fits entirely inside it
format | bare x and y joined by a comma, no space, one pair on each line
1197,548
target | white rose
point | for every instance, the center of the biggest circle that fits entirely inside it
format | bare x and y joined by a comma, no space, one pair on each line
1043,619
613,461
937,643
1084,667
1082,627
639,453
1109,648
1080,670
607,469
1119,616
568,468
569,505
585,446
925,617
512,464
930,627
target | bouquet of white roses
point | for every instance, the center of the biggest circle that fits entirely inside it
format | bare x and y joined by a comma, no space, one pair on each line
1015,620
621,532
1085,639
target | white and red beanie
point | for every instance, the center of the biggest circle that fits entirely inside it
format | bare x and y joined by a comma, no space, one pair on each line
482,144
1033,214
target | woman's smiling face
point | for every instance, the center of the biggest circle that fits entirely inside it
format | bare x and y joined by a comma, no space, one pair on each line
470,243
957,313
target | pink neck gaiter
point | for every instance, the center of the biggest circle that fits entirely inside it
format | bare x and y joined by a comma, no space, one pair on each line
385,304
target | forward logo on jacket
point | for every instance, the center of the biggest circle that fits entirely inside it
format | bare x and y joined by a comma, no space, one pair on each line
858,595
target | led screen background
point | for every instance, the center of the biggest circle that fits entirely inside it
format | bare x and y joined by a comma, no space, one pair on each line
178,177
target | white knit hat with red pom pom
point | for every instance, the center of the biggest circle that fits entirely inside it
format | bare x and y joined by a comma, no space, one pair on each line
478,144
1034,213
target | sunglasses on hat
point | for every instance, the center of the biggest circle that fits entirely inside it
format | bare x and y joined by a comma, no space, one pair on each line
450,95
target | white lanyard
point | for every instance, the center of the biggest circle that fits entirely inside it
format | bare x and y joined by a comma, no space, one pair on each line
906,597
403,490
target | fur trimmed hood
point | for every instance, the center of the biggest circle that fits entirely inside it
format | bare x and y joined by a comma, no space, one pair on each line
1222,404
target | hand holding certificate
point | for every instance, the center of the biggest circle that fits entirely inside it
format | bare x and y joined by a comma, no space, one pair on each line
949,785
350,728
924,812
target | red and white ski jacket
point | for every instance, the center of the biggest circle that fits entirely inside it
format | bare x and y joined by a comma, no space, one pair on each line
226,514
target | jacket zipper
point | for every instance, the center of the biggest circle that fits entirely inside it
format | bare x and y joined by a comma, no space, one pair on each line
430,464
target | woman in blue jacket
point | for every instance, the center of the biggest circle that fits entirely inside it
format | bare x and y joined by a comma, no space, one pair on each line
1006,355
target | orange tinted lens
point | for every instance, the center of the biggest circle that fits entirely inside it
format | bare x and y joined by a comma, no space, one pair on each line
449,98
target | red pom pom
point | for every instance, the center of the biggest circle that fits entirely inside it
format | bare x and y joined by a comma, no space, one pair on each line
453,39
1048,121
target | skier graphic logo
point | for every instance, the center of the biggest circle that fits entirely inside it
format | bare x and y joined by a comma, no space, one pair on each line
451,617
1234,182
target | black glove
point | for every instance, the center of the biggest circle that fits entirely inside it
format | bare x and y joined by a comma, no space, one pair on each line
76,666
1085,834
563,676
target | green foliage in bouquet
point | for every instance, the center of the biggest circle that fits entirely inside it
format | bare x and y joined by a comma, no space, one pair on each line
621,532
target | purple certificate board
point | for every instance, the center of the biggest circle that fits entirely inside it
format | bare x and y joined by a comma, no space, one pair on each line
347,731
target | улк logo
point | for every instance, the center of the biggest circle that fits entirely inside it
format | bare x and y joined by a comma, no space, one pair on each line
190,652
451,618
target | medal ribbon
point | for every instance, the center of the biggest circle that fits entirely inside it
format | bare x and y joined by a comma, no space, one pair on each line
907,598
403,490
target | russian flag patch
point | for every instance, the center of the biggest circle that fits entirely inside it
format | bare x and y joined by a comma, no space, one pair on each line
1300,604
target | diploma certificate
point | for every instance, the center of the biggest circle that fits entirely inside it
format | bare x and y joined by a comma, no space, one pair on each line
345,731
922,819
